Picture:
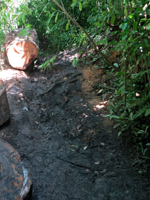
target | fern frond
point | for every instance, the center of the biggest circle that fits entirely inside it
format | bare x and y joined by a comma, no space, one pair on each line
136,102
140,73
140,112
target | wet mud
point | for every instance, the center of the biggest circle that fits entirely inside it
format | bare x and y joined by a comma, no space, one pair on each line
57,127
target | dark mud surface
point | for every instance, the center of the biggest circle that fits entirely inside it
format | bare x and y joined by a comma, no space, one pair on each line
57,126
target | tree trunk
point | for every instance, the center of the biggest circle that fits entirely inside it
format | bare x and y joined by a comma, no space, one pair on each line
21,46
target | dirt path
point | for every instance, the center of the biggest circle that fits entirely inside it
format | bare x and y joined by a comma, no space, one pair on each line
57,127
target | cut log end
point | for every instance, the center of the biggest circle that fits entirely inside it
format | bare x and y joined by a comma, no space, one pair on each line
21,52
15,179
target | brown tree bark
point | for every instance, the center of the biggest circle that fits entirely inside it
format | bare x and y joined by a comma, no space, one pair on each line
21,46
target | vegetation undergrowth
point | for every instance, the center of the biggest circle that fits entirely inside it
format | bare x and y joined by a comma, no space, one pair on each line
121,27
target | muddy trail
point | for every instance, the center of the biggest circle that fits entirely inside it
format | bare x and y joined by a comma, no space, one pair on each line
58,128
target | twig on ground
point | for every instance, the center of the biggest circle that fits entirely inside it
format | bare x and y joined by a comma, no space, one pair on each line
76,164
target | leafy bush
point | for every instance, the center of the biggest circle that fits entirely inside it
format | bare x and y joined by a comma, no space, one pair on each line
131,102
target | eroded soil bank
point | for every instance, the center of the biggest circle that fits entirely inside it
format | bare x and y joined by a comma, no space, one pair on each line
57,126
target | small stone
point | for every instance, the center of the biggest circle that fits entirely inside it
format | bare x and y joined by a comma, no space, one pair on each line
25,108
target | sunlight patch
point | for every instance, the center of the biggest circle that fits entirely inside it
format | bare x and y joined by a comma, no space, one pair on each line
11,73
100,105
85,115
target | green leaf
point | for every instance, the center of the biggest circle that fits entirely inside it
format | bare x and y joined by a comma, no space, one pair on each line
53,8
148,26
4,5
28,26
106,115
114,117
121,90
56,18
112,21
74,3
124,37
141,132
148,61
97,24
100,42
48,63
139,10
53,59
131,16
23,19
24,32
123,26
67,25
50,17
119,133
116,64
131,116
147,112
23,7
75,61
45,64
126,12
14,16
120,73
135,25
116,125
80,6
111,104
8,15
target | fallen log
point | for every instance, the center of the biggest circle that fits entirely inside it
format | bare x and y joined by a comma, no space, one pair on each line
21,47
15,178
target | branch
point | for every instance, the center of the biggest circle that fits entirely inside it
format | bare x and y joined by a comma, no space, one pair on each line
90,39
